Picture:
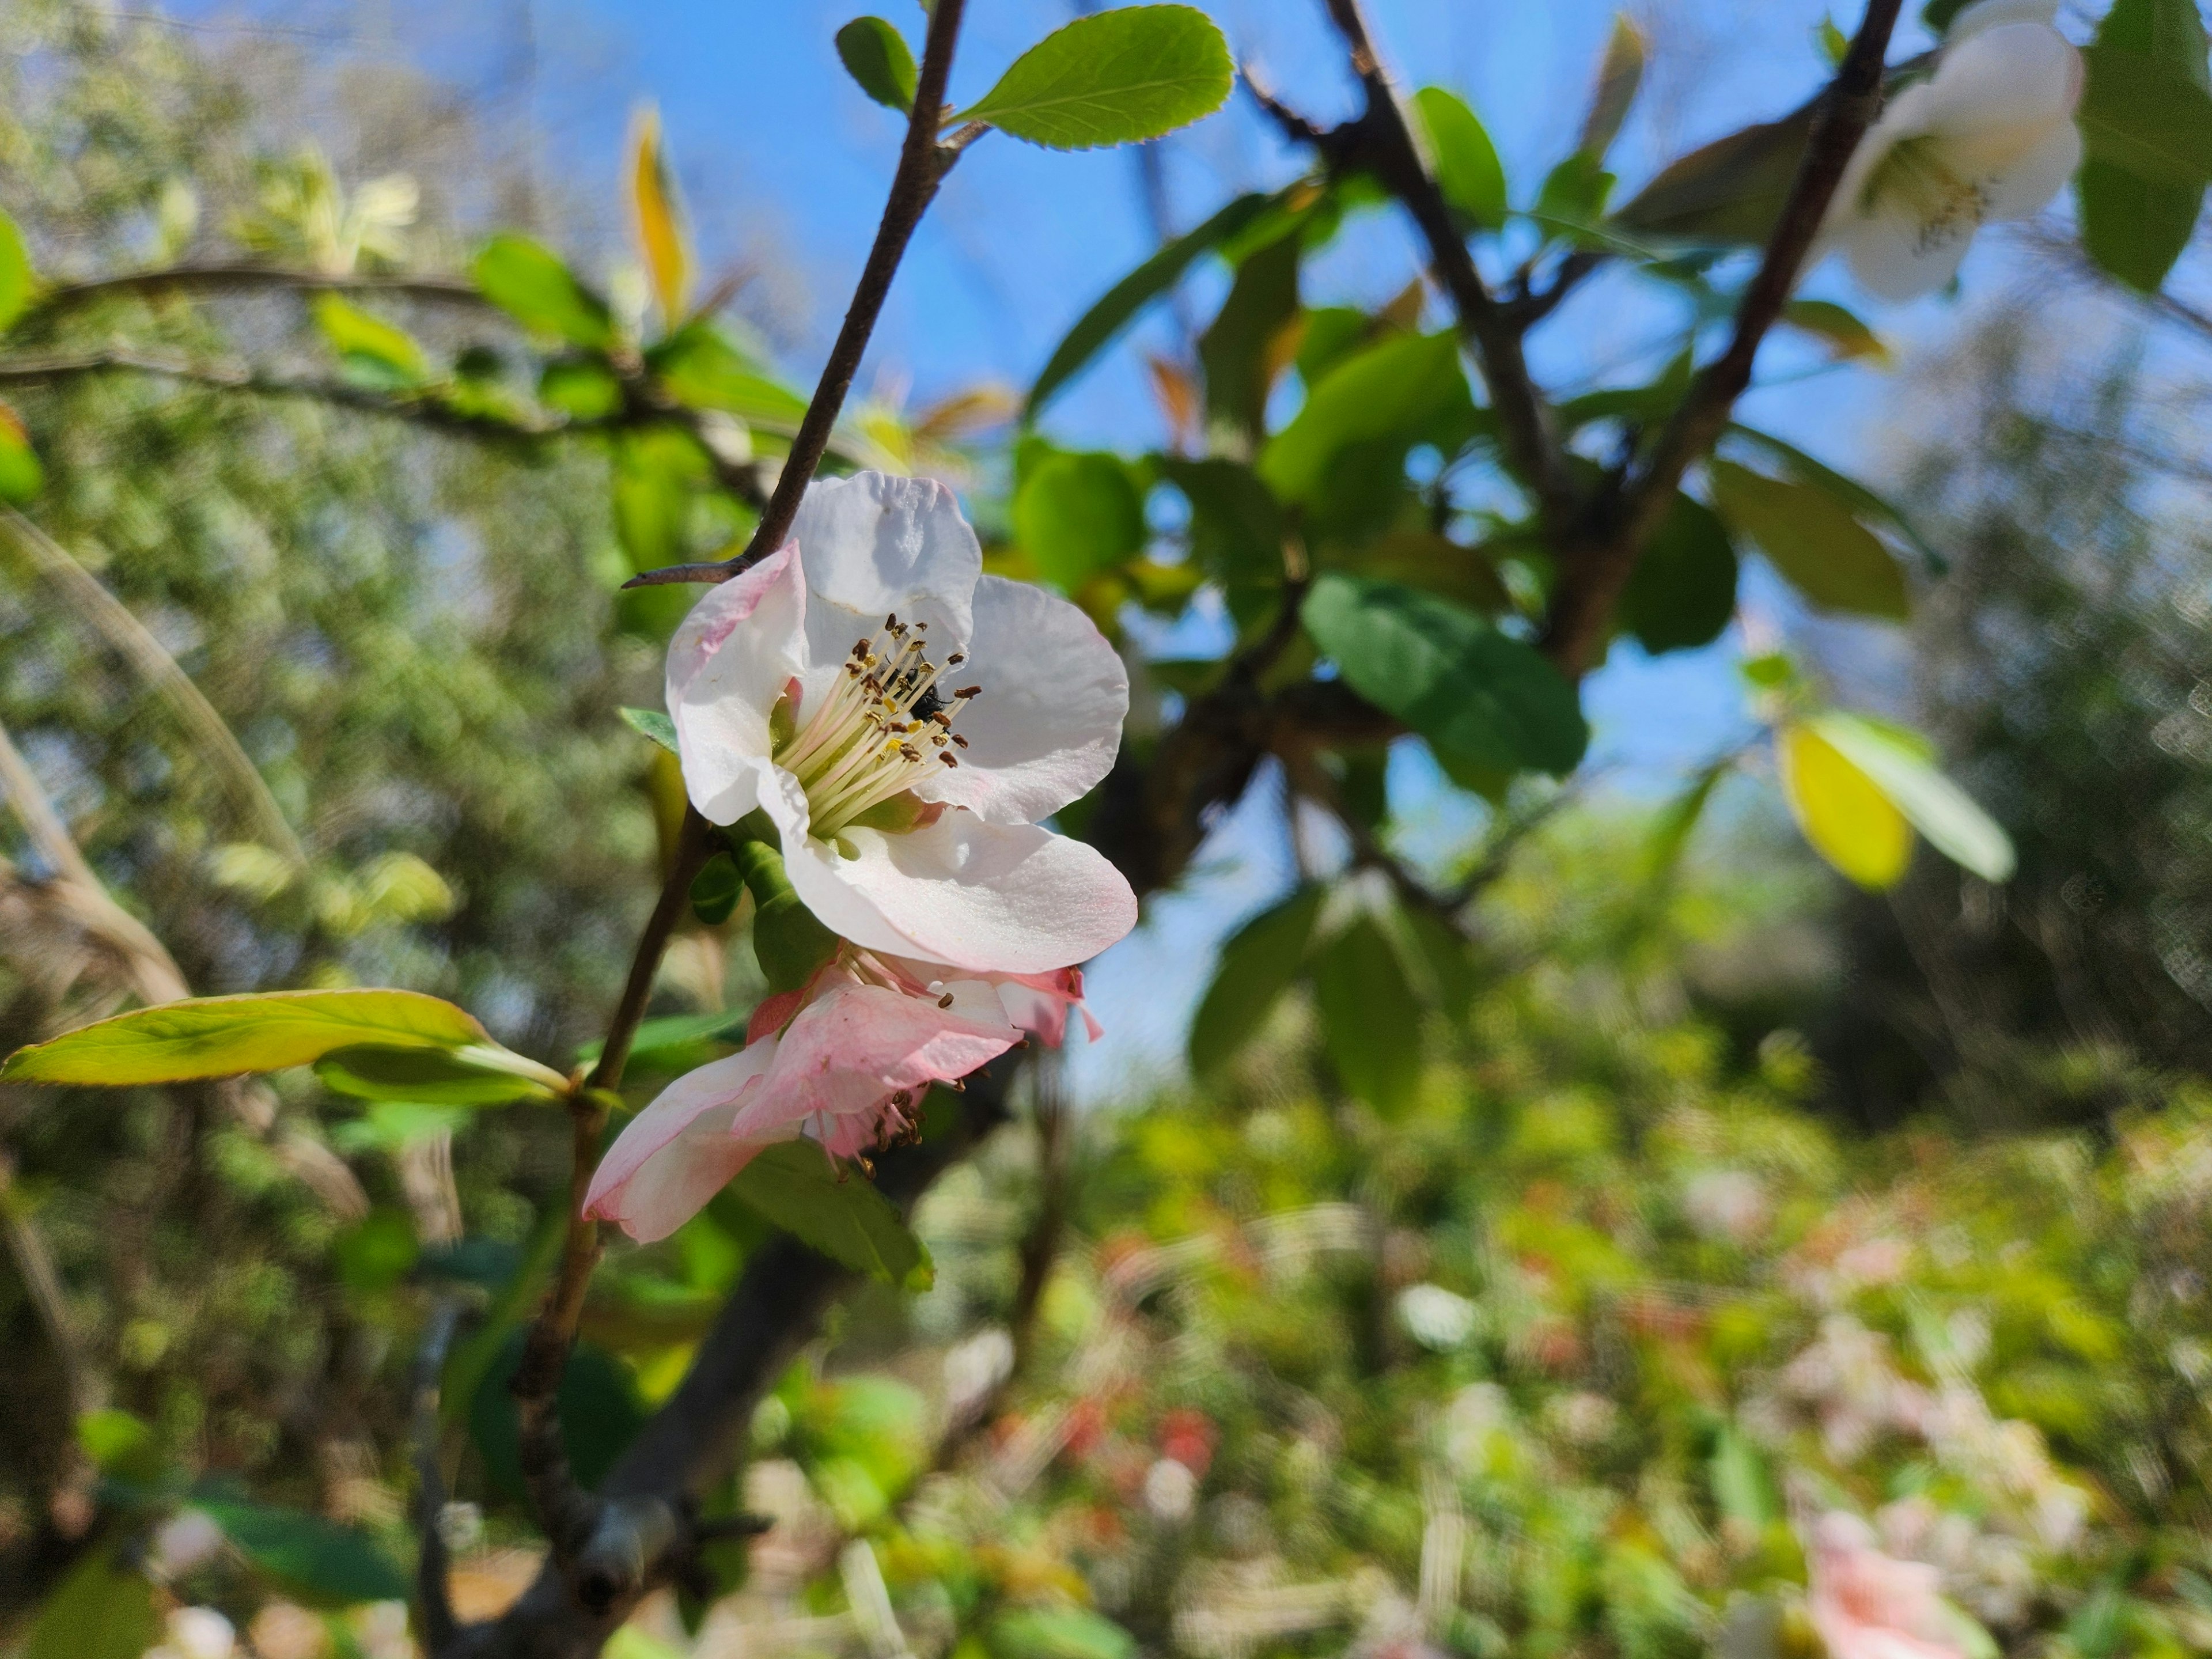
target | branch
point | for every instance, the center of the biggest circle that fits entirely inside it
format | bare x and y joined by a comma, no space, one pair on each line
923,163
238,278
1387,145
1594,572
434,1602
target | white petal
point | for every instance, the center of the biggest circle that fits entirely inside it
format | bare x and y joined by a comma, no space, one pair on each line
729,662
1987,13
2033,178
2013,77
874,544
1048,723
678,1152
1009,898
1895,257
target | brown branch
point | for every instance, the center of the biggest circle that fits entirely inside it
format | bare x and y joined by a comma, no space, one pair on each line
434,1602
1595,568
923,162
1531,443
238,278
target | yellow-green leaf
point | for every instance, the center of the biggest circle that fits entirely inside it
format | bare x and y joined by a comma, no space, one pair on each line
16,280
1848,819
1115,77
369,346
1901,764
1812,539
660,237
875,54
222,1036
21,475
1845,335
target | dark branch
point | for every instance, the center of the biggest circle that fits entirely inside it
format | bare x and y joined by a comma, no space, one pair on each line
1595,571
433,1604
923,162
1387,146
238,278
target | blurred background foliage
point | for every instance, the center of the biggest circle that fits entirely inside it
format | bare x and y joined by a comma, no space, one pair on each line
1523,1296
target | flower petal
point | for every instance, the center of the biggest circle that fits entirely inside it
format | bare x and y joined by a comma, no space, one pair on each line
1048,723
874,544
1004,898
730,660
1894,257
2025,188
1988,14
2012,77
677,1152
856,1044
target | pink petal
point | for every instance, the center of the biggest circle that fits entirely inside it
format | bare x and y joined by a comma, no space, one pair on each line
677,1152
730,660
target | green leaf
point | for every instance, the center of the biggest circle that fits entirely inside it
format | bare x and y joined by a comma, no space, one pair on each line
794,1185
1845,334
875,54
2132,227
1899,764
1862,502
1077,515
675,1033
222,1036
1118,306
1478,696
373,351
657,470
1382,391
321,1562
1371,1025
1258,963
1242,349
2146,119
530,283
21,477
119,1444
1812,538
16,280
1059,1632
652,723
1725,194
1619,73
1574,193
1466,162
479,1075
714,889
1115,77
583,388
1683,591
102,1610
597,1404
1743,1492
701,368
790,944
1235,528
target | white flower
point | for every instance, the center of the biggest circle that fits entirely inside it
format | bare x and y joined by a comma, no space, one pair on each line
1990,136
905,720
1435,1317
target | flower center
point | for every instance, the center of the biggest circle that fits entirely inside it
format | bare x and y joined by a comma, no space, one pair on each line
883,727
1915,178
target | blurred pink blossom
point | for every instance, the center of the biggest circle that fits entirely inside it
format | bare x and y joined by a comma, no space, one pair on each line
1867,1604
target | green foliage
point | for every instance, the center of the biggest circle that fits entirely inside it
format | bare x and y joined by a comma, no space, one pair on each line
1813,540
475,1076
1478,696
652,724
715,890
1901,766
1683,591
1259,962
1241,350
16,279
1620,74
1077,515
219,1036
875,54
598,1406
791,945
323,1564
2146,120
375,353
101,1610
1466,162
1391,393
1370,1024
1114,77
530,283
795,1185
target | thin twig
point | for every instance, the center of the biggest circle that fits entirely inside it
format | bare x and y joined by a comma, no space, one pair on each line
1531,443
923,163
238,278
1595,570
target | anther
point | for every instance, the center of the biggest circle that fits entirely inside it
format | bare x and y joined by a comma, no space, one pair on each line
967,691
945,1001
957,739
956,660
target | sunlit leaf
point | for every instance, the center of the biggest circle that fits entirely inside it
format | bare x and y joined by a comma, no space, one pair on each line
317,1561
1062,1633
1115,77
1850,822
1474,693
795,1185
376,351
16,280
1861,503
584,388
652,723
1077,514
1258,963
222,1036
1812,539
101,1610
1466,162
702,370
659,219
1370,1024
529,282
658,469
1118,306
875,54
1683,591
1381,390
22,477
1902,767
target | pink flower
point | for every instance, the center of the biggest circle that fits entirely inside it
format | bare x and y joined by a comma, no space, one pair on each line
906,721
1867,1604
846,1060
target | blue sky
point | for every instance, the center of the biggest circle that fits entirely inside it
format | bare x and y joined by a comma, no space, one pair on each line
784,162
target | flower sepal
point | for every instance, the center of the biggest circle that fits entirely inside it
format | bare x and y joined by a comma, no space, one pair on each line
792,945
